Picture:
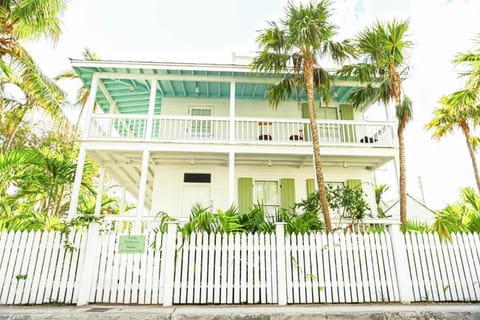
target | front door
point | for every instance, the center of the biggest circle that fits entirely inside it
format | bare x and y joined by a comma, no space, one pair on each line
196,190
195,194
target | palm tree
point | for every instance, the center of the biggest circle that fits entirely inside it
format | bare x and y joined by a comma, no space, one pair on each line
458,110
471,60
84,91
384,47
21,21
291,49
461,216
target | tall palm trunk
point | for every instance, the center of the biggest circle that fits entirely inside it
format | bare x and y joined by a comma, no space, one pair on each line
466,133
308,78
403,177
12,131
402,122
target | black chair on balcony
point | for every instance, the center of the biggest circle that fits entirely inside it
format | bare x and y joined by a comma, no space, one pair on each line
297,137
265,136
367,139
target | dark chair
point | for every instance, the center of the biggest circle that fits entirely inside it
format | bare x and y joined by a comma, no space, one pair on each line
295,137
367,139
265,137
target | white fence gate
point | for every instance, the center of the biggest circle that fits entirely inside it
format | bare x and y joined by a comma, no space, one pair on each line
38,268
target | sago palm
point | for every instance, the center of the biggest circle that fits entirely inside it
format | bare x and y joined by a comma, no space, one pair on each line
460,110
292,49
383,48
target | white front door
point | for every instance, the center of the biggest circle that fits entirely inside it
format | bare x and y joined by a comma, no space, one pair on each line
194,193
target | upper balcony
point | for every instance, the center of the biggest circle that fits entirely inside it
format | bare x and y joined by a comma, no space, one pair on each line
256,131
196,107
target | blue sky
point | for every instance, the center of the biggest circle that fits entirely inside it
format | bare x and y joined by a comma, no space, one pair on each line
210,30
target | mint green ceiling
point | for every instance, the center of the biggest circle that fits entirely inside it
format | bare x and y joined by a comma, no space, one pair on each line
132,94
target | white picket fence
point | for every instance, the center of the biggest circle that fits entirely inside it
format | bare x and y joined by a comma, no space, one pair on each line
448,271
37,268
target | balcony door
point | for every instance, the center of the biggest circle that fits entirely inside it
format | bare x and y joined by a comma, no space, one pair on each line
201,129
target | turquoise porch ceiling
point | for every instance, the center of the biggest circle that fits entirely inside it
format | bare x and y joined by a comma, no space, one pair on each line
132,95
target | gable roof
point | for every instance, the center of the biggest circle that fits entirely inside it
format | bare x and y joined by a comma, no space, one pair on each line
416,210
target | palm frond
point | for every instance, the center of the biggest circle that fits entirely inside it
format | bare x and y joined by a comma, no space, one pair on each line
404,112
38,18
281,91
363,96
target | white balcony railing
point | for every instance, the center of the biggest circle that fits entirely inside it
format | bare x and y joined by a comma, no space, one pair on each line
246,130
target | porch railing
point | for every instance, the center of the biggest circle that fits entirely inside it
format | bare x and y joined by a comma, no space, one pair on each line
246,130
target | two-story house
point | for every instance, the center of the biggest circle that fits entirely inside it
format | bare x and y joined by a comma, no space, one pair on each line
176,134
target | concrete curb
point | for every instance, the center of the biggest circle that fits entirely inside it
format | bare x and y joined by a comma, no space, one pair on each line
300,312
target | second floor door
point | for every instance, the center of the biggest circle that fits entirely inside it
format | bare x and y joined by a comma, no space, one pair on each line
201,128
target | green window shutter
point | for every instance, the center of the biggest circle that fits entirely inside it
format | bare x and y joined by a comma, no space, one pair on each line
346,112
307,135
287,193
245,194
305,114
310,186
354,183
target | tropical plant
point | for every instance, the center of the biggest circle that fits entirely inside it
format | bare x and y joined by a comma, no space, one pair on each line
302,222
383,48
380,191
349,202
83,92
292,49
35,189
20,21
461,110
416,226
461,216
471,60
257,220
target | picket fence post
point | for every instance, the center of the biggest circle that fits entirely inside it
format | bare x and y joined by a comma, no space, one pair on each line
399,250
170,247
85,279
281,263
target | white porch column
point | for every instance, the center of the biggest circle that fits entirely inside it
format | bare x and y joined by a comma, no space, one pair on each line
142,190
111,110
151,109
123,200
89,105
98,202
232,112
72,210
231,177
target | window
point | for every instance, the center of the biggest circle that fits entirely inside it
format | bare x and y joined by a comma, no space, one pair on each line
197,177
266,192
334,184
327,113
